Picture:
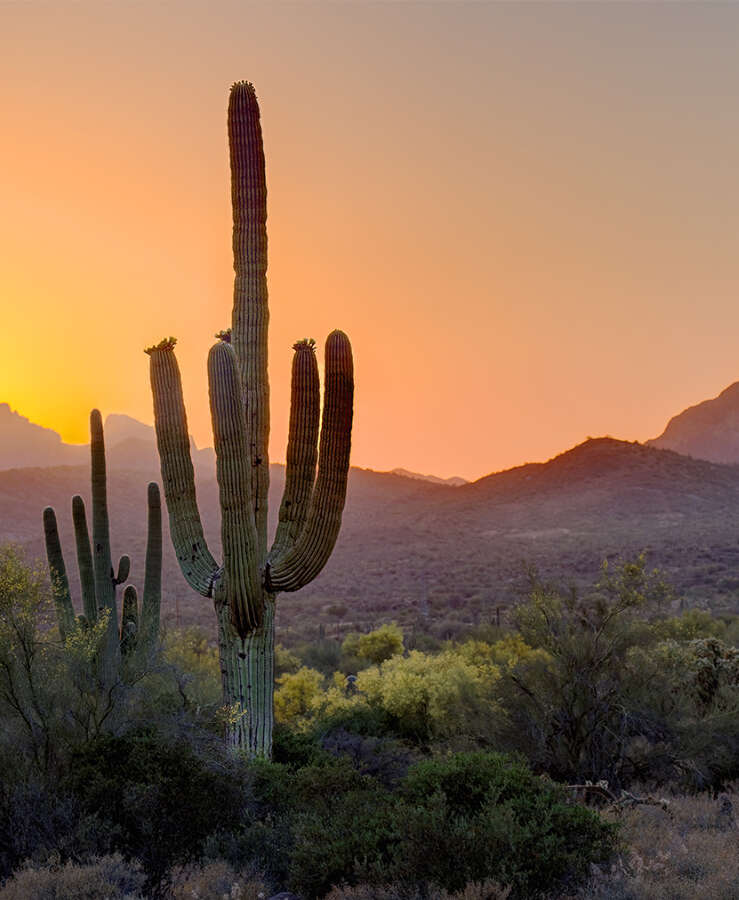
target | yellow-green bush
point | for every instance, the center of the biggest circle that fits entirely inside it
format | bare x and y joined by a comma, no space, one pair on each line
433,696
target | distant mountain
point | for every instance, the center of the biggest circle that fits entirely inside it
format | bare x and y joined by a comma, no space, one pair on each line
424,554
24,444
454,481
129,444
709,430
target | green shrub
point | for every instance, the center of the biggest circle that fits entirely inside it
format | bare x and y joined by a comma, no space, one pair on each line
464,818
474,816
158,800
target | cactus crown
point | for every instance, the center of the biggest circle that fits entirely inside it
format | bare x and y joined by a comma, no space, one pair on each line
305,344
167,343
243,85
224,336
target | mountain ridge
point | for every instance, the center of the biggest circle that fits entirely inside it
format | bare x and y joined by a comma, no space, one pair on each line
432,556
707,430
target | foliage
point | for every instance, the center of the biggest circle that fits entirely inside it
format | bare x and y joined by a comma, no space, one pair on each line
488,816
381,644
486,890
430,697
297,694
692,690
285,660
215,879
484,815
158,800
685,851
50,697
193,663
109,876
566,709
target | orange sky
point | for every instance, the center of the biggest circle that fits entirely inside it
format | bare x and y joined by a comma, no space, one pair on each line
525,216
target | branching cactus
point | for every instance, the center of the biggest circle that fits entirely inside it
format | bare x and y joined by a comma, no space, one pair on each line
97,577
244,585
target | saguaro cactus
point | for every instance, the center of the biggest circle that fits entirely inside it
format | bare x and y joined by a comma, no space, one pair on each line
243,588
97,578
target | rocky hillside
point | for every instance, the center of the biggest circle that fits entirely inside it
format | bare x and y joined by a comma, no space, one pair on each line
709,430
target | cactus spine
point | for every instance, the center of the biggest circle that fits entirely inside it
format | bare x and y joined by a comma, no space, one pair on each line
97,578
243,588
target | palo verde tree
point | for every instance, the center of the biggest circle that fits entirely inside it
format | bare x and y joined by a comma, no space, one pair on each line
138,634
244,587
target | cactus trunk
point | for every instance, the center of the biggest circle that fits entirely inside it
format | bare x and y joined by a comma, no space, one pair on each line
243,588
248,683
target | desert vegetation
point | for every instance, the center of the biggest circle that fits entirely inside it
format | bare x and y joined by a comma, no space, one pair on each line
587,750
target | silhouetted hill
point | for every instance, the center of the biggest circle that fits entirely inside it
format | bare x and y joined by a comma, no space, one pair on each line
129,444
24,444
454,481
709,430
425,553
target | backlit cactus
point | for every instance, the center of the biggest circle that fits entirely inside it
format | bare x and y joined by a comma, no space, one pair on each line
244,586
137,632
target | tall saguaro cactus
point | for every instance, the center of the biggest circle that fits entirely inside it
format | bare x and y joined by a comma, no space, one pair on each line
97,578
244,586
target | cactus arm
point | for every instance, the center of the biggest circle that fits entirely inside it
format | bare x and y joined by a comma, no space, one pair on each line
124,568
302,448
316,541
250,313
129,621
151,605
101,556
84,559
58,575
238,530
178,476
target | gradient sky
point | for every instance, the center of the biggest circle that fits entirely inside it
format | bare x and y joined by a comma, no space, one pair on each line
526,216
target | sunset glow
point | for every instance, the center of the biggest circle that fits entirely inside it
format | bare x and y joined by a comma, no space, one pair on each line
524,216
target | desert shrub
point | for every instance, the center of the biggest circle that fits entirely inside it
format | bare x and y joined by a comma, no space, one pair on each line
385,759
33,674
464,818
487,890
487,816
110,876
36,822
285,660
298,694
194,669
692,624
431,697
215,879
158,800
381,644
566,707
357,717
683,852
295,748
323,655
692,688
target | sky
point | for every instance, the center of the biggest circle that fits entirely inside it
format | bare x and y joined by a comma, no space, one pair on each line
525,215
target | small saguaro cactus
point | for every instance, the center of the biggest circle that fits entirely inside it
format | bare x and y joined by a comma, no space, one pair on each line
97,577
243,588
